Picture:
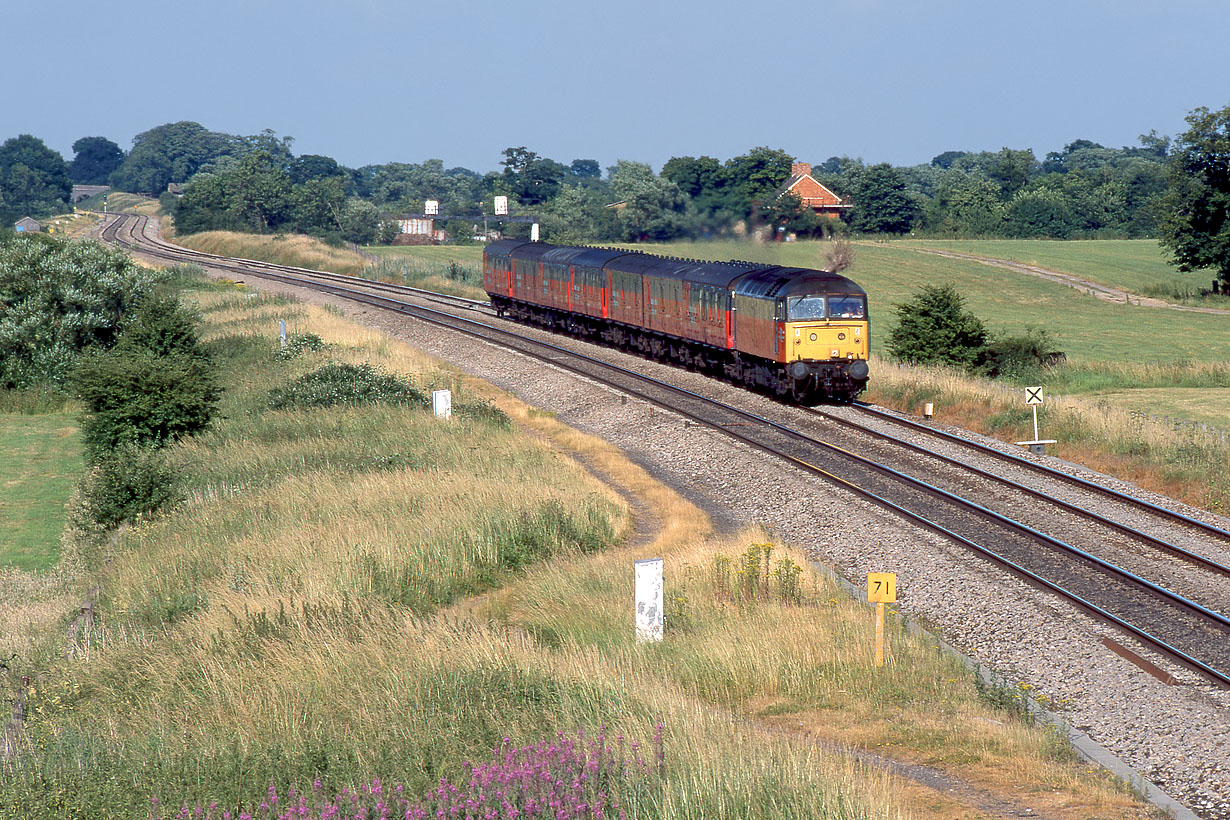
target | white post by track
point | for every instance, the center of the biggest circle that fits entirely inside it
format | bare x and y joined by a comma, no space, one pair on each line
650,600
442,404
1033,397
282,332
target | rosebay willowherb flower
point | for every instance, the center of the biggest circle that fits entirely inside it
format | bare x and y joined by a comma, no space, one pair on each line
566,778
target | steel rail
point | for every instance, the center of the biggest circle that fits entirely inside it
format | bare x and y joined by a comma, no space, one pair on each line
1153,541
1025,463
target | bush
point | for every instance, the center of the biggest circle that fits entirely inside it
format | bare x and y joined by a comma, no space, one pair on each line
58,299
134,396
163,326
156,385
935,328
347,384
1021,356
299,343
128,481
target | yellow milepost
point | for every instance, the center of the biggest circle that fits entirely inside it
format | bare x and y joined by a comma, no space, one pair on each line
881,590
881,587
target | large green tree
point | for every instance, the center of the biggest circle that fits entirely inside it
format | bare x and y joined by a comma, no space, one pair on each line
881,202
651,207
1195,212
60,298
34,179
95,158
170,153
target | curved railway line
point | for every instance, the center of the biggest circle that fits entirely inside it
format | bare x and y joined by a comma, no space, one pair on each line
1057,545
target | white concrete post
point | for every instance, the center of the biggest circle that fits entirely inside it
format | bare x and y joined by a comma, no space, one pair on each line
649,600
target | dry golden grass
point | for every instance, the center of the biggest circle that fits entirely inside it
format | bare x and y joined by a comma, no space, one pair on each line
289,249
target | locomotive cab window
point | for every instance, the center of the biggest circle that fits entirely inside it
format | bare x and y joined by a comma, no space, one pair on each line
847,307
806,308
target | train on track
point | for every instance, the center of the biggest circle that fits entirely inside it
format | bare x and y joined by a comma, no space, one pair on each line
798,333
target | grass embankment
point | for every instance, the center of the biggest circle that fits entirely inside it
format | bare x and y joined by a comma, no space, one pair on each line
281,249
351,593
121,202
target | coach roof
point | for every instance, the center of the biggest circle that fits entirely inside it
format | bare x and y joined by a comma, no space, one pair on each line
771,282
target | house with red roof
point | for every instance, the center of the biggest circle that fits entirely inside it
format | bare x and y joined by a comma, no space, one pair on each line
814,195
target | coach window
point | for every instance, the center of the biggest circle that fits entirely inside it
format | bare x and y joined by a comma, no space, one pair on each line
847,307
806,308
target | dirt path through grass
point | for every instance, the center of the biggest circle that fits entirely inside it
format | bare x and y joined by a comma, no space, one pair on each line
1103,292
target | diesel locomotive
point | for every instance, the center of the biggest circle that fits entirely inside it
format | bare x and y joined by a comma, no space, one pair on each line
795,332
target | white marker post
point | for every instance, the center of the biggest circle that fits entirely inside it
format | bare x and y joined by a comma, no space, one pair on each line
649,600
442,404
282,332
1033,397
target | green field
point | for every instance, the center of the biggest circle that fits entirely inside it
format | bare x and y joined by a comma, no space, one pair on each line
40,460
429,253
1135,265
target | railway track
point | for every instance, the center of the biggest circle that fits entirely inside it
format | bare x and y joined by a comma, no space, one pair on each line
132,232
1186,631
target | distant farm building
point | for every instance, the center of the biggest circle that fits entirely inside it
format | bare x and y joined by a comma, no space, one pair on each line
81,192
417,230
27,225
812,194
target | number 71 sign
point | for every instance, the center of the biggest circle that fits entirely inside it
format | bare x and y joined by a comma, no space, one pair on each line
881,587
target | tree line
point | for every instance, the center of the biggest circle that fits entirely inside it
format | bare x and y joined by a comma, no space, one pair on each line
1173,190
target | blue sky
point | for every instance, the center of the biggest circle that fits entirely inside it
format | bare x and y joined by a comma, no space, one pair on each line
373,81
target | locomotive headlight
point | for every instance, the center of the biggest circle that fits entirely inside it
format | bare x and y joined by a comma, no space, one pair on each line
813,337
841,337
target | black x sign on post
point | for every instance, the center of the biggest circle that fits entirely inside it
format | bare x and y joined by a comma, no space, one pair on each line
1033,395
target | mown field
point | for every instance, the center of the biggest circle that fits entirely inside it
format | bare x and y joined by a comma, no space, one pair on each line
1136,265
40,461
349,593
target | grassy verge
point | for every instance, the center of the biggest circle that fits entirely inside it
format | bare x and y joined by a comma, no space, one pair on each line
438,273
358,592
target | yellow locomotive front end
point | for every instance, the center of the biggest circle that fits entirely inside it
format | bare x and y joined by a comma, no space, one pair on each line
827,341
